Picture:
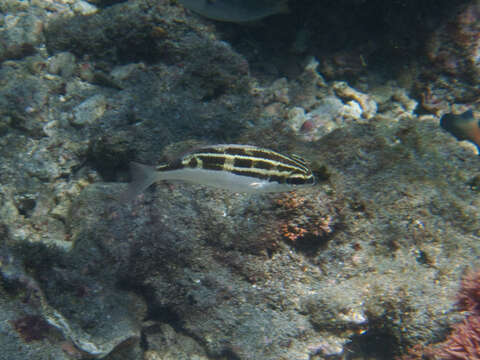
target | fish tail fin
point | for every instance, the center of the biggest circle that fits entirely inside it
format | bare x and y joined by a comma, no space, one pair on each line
142,177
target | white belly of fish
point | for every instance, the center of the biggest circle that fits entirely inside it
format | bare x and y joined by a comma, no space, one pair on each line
224,180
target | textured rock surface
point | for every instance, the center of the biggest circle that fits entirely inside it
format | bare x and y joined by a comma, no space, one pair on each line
454,53
371,255
372,269
455,47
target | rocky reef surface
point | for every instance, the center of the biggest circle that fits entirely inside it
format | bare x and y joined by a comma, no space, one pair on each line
365,264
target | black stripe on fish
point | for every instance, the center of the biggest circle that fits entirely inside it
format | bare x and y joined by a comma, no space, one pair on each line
278,179
300,180
263,164
249,173
211,162
244,163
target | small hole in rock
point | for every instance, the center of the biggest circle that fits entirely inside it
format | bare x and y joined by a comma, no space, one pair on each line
25,206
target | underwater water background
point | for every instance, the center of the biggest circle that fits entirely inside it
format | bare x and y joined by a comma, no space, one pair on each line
378,260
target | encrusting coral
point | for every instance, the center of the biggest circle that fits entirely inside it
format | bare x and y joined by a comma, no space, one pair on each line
463,342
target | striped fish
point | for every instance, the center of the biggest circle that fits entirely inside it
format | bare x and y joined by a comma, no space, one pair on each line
239,168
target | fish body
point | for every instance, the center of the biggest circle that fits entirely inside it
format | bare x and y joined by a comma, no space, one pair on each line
463,126
236,10
238,168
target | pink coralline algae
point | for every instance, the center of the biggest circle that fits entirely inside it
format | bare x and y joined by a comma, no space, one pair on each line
463,342
31,328
469,297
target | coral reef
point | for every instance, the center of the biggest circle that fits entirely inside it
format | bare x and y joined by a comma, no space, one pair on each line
31,327
463,342
469,295
453,51
454,48
363,265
